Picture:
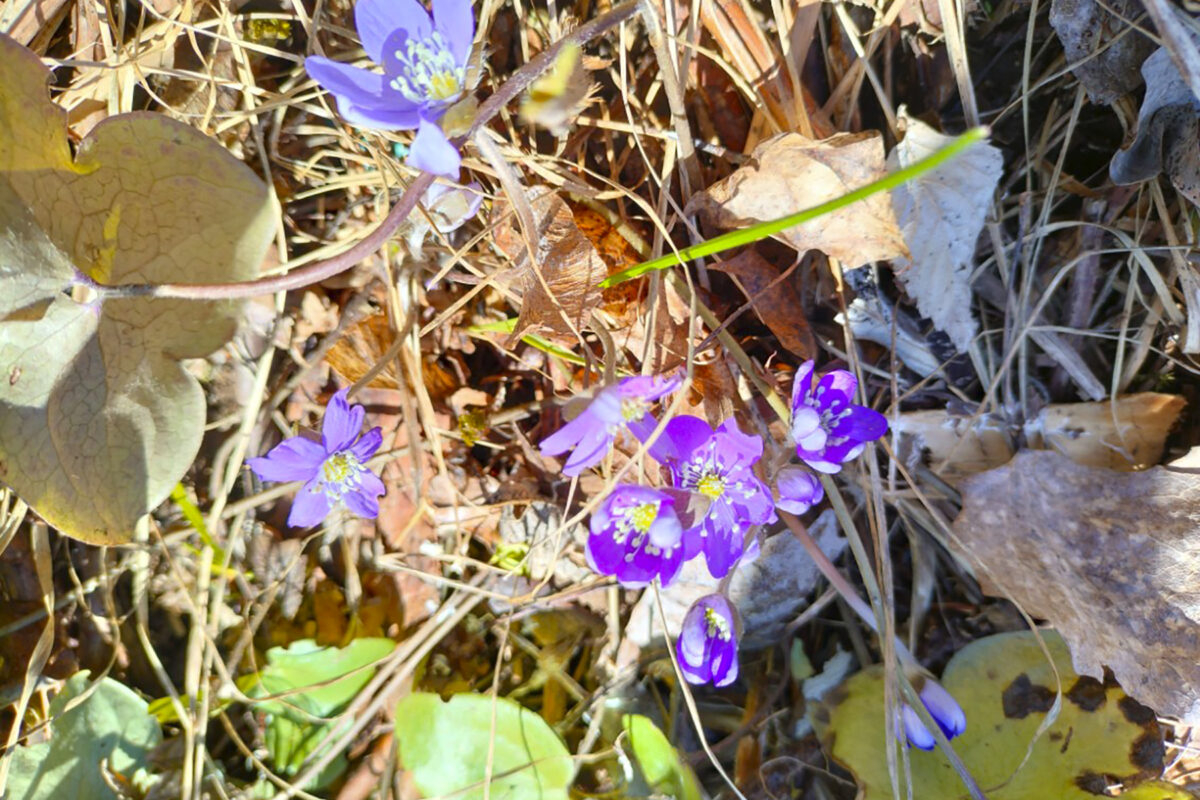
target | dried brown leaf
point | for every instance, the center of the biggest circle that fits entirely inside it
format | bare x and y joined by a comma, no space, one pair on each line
1125,434
1097,41
790,173
776,302
560,290
1166,131
1110,559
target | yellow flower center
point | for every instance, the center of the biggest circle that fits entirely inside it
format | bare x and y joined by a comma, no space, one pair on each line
711,486
633,409
643,516
340,469
716,625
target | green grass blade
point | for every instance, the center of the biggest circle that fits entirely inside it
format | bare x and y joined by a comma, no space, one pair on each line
762,230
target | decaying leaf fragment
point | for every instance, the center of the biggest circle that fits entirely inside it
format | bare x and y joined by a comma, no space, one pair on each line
790,173
776,302
1166,132
1111,559
560,290
1103,47
1123,434
941,214
98,419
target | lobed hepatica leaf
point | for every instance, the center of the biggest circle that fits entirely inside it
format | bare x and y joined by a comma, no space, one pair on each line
446,747
98,419
1007,688
107,733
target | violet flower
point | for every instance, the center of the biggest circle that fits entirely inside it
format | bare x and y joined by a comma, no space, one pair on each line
332,469
626,403
718,465
944,709
424,62
797,490
636,537
707,643
828,428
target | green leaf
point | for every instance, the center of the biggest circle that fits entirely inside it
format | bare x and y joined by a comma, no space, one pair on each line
98,418
309,684
110,727
660,764
445,747
1006,687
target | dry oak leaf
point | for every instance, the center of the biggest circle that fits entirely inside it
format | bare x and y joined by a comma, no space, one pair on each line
790,173
560,290
98,418
1110,559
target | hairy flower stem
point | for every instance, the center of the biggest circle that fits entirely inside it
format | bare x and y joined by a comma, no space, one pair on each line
860,607
839,582
323,270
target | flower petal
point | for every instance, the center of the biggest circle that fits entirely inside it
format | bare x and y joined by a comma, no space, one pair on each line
456,21
799,490
588,452
362,503
310,506
432,152
862,424
915,731
348,84
294,459
805,420
802,385
376,20
404,117
370,483
342,422
366,446
570,434
837,383
684,435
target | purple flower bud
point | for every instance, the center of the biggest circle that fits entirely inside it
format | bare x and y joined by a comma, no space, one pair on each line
636,537
718,465
627,403
425,64
945,711
829,429
797,490
707,644
332,469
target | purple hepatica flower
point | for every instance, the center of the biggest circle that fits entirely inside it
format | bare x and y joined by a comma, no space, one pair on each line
593,431
636,537
828,428
718,465
707,644
332,469
798,490
424,63
945,711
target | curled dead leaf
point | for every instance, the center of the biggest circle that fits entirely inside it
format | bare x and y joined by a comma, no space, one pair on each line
790,173
1125,434
1166,132
559,290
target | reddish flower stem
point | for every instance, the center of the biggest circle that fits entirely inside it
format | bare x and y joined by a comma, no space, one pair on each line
322,270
